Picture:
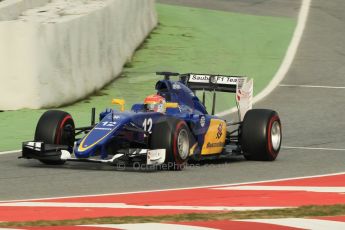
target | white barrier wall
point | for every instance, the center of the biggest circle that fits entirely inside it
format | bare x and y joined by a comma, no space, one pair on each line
61,52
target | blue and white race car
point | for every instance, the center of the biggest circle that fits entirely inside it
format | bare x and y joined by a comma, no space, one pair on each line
166,130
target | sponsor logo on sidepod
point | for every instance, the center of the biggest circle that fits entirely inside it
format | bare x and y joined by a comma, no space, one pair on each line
220,131
215,145
202,121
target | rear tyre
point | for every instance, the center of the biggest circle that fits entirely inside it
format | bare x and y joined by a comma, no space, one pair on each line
261,135
174,136
55,127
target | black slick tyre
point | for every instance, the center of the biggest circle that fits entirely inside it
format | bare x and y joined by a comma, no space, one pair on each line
261,135
55,127
173,135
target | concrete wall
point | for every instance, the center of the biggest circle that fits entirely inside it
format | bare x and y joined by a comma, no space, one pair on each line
53,55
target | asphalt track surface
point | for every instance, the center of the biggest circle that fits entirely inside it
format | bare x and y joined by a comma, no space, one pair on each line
311,117
280,8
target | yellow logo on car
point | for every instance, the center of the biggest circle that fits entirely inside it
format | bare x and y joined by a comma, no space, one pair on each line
214,138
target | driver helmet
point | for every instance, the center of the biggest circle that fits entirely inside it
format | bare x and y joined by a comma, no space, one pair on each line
154,103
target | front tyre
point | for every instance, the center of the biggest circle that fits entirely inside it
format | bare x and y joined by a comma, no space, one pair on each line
55,127
174,136
261,135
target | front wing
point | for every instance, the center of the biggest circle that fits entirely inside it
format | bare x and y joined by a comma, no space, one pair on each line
50,152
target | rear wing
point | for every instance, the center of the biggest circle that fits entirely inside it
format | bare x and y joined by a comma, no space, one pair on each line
219,83
208,82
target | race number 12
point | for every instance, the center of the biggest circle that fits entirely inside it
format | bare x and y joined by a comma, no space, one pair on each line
147,124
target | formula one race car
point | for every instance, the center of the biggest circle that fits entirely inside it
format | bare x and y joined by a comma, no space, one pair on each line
166,130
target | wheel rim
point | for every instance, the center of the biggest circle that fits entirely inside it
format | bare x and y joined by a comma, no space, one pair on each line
183,144
276,136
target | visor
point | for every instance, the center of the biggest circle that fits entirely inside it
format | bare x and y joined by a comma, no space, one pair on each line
152,107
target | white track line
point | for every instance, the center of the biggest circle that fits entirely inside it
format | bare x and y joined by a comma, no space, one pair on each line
149,226
301,223
312,148
12,151
176,189
12,228
128,206
284,188
289,56
313,86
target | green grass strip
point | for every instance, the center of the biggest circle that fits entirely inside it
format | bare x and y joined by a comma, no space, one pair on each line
186,40
300,212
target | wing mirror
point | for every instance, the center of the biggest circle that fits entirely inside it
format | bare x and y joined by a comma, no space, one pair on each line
119,102
171,105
